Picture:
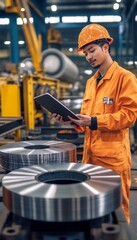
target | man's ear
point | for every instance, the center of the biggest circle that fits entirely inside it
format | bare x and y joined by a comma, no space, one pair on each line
106,47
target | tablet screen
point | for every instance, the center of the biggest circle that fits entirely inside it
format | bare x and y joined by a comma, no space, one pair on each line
53,105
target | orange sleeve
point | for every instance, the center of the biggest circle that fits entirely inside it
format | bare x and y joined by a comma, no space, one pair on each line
79,129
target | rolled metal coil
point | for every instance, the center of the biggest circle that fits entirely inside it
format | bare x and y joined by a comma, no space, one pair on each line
26,153
64,192
57,65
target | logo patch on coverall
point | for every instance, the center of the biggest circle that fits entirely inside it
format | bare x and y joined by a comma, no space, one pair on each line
107,100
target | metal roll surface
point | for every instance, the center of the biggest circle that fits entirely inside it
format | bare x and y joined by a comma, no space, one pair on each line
26,66
26,153
74,103
64,192
57,65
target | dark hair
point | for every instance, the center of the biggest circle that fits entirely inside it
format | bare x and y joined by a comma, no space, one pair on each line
101,42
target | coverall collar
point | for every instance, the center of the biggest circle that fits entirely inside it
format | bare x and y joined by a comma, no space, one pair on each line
109,73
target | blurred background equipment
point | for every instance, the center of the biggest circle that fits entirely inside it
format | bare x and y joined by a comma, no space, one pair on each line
50,68
57,65
72,102
26,67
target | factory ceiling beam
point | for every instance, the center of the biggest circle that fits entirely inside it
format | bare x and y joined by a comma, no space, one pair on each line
22,9
32,5
132,8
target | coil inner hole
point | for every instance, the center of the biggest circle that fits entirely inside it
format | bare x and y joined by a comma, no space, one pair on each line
62,177
37,147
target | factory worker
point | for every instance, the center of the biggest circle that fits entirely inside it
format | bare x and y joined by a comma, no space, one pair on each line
108,110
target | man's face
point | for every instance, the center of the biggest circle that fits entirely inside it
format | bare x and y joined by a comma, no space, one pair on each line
95,54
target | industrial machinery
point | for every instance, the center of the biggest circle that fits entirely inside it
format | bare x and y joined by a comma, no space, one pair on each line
57,65
64,201
35,75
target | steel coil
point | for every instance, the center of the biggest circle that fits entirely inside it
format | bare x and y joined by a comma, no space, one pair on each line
64,192
26,153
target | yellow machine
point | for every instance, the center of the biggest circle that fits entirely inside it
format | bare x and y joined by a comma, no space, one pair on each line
11,92
10,100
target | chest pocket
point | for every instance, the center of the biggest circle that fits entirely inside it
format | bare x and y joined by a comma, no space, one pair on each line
94,106
108,108
108,105
87,105
100,106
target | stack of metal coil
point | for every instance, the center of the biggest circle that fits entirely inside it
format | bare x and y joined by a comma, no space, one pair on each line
62,192
26,153
44,199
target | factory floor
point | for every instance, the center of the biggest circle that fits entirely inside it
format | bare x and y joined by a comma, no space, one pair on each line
133,200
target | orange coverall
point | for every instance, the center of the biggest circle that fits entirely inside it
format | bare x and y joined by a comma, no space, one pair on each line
114,102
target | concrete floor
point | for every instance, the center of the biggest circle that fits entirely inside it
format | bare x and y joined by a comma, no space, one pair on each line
133,202
133,211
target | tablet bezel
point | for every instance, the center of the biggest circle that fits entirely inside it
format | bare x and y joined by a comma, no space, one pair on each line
53,105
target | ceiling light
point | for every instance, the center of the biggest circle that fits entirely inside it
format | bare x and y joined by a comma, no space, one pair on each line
20,21
70,49
21,42
52,20
7,42
22,9
53,8
110,18
116,6
4,21
88,72
75,19
118,1
130,63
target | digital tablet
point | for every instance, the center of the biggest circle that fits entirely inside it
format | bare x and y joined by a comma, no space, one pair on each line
51,104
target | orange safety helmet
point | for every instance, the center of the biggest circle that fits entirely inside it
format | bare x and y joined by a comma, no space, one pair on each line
91,33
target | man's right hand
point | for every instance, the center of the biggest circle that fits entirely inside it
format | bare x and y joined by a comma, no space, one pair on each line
59,118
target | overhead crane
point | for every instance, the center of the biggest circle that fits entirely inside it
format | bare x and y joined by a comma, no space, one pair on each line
21,7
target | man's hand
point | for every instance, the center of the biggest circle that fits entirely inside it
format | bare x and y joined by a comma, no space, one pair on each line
84,120
59,118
